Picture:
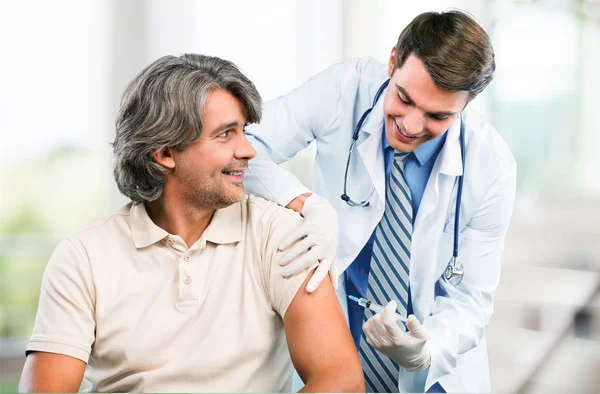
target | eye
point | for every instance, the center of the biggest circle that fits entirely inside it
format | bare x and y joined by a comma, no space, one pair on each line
225,134
439,118
403,100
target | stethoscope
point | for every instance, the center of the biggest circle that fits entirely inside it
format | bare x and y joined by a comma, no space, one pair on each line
455,271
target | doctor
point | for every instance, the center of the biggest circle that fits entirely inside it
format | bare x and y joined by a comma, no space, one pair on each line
390,157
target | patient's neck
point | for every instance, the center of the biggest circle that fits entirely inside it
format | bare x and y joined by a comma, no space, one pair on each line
176,217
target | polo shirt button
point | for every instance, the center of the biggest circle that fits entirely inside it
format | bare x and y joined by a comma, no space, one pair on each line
170,241
187,280
187,258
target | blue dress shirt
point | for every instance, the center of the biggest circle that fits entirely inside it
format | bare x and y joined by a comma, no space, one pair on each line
417,168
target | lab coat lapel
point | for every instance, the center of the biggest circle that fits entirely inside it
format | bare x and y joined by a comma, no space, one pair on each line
432,215
449,162
370,149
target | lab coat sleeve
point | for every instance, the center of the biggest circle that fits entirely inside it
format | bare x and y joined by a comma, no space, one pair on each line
461,313
289,124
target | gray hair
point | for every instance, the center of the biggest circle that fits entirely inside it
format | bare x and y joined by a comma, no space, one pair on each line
162,108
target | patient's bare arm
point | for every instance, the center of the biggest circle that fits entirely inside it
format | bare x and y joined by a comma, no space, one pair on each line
49,372
320,343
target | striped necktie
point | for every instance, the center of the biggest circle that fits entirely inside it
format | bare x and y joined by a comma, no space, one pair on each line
388,279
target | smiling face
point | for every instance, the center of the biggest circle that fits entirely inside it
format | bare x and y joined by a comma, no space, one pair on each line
210,170
415,109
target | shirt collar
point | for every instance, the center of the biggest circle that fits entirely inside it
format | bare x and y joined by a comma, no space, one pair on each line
225,226
143,230
426,151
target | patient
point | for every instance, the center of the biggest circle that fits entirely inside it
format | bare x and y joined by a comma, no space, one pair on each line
181,290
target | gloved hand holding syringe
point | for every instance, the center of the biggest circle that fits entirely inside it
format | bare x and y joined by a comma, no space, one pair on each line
383,332
374,307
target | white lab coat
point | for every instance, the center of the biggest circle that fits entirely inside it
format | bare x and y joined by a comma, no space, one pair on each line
326,109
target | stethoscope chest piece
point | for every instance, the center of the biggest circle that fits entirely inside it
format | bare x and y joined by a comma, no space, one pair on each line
454,272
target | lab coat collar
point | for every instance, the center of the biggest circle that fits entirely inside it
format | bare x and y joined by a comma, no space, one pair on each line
450,156
449,162
373,124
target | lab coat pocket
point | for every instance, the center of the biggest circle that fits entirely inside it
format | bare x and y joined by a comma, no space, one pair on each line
474,251
448,238
446,247
466,232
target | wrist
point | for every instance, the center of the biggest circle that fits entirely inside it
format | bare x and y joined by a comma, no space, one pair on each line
297,204
423,361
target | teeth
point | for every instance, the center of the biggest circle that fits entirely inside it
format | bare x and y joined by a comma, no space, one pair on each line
404,134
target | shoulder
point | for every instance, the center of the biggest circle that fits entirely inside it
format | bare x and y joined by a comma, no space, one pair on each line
359,72
73,256
368,70
487,147
363,66
369,67
267,214
102,231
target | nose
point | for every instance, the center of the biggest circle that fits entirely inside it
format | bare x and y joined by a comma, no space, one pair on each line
414,122
244,150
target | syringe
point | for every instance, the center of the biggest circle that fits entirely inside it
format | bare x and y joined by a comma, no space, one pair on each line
373,306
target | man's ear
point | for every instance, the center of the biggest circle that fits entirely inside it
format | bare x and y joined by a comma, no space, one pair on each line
390,69
164,157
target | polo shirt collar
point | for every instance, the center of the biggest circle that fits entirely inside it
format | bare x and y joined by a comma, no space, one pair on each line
225,226
143,230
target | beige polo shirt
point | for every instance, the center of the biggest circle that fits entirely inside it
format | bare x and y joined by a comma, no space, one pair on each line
149,314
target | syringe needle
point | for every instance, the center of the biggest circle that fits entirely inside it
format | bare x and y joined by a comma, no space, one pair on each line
373,306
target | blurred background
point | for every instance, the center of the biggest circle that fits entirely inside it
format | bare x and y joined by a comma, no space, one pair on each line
64,65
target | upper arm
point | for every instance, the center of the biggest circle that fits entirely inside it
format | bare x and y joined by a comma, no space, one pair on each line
291,122
65,322
320,343
49,372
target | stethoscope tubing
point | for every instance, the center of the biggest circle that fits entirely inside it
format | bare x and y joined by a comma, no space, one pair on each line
453,265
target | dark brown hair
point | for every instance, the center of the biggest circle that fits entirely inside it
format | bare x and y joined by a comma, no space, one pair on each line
455,49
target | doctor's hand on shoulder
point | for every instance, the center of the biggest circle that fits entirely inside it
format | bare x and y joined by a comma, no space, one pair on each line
408,349
315,240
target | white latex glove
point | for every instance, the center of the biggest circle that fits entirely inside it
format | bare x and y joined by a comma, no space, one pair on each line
315,240
408,349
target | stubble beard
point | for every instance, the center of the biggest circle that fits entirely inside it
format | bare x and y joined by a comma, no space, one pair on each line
203,196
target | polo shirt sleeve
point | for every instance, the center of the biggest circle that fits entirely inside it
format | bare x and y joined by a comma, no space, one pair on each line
65,322
277,224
